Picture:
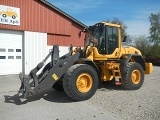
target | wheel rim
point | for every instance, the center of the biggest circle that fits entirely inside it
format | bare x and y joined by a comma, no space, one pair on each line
84,82
136,76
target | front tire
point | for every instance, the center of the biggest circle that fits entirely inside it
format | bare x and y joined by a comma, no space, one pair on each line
80,82
134,76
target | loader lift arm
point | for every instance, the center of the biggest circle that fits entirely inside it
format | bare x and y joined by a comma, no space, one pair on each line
32,83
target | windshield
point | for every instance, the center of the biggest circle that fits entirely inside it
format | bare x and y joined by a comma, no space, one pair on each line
94,35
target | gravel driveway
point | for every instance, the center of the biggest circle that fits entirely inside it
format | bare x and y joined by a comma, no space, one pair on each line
109,103
142,104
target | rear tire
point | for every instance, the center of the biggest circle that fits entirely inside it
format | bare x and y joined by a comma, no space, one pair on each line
80,82
134,76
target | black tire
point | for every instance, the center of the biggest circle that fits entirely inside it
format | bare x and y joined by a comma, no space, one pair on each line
58,86
134,76
13,17
4,15
80,76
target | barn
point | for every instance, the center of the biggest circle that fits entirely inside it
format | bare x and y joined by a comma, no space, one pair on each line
29,29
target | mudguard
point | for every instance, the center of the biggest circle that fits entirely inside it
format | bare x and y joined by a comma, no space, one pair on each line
124,61
92,64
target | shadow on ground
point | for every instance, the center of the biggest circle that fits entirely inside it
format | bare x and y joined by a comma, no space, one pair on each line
109,86
49,95
55,96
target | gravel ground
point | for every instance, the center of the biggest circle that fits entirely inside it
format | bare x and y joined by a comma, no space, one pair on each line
109,103
142,104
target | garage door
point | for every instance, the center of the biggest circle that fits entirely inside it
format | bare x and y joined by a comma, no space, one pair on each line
10,52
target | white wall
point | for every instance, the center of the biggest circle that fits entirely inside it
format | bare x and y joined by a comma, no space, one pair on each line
62,50
35,49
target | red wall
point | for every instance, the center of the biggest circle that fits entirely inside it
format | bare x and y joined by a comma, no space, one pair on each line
39,17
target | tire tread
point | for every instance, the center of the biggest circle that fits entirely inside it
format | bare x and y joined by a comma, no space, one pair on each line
66,81
125,82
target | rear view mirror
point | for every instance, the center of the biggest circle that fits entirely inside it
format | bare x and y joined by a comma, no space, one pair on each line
125,39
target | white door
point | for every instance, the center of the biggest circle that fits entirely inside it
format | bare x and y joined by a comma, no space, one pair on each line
10,52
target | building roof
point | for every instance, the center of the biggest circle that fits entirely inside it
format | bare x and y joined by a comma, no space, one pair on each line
63,13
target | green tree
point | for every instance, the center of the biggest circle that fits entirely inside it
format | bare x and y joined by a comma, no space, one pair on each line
143,45
119,22
147,49
155,27
155,51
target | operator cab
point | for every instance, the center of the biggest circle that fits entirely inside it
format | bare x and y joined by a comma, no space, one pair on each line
103,36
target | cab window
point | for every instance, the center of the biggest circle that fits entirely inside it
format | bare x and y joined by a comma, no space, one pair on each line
112,34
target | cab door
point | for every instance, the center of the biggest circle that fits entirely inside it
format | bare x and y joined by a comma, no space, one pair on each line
112,43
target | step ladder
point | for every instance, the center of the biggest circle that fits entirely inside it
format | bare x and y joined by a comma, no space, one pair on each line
117,75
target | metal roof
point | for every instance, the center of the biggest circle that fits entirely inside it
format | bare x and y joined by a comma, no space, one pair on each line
63,13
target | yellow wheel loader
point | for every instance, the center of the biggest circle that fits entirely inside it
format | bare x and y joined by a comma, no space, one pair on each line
105,57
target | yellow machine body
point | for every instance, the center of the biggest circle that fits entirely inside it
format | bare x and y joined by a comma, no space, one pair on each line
105,57
109,64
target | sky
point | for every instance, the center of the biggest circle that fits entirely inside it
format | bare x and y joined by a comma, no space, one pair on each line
134,13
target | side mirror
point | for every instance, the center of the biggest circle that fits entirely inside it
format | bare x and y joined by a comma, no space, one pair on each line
125,42
84,30
125,39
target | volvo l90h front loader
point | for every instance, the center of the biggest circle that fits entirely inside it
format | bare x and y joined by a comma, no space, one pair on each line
105,57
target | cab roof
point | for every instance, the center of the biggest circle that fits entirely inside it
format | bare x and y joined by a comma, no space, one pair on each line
111,24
